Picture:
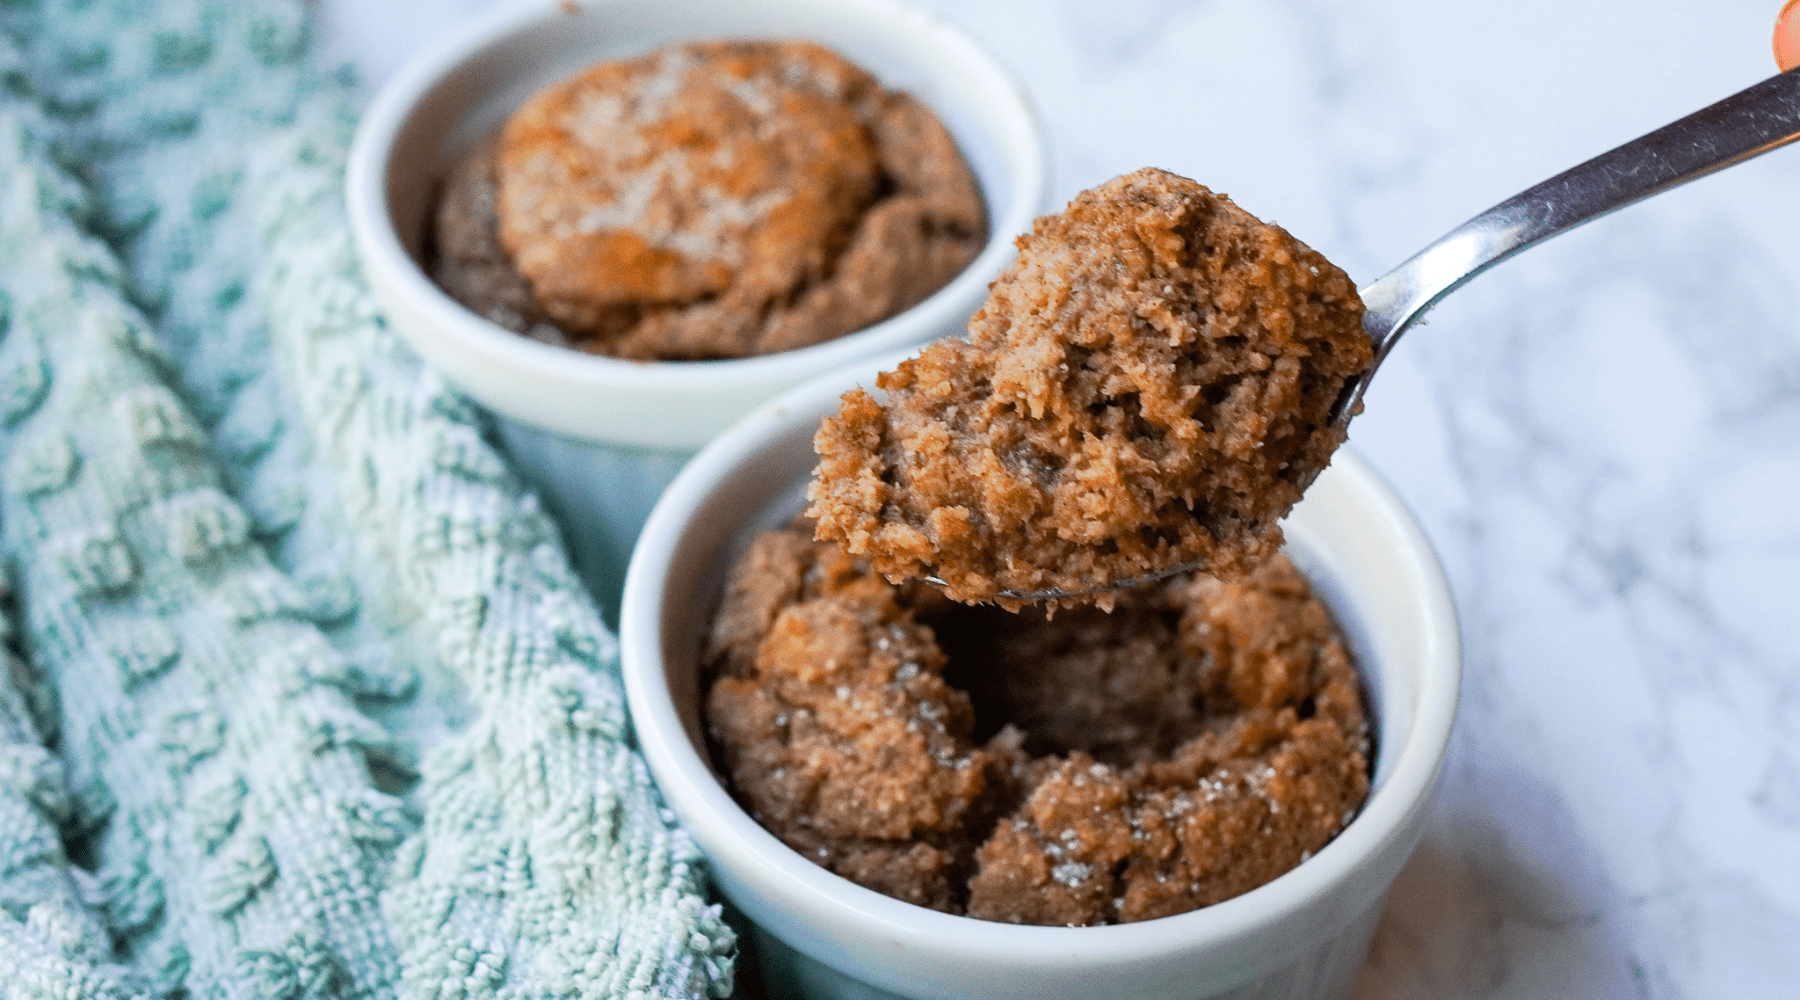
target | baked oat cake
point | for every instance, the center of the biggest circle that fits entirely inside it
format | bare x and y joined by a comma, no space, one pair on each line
708,200
1094,768
1147,386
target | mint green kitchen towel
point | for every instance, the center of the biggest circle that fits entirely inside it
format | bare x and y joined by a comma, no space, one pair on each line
331,715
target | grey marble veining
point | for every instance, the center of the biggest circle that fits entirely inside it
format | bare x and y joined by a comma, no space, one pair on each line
1601,437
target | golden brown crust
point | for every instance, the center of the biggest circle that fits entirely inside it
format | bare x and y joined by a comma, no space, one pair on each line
719,199
1087,769
1147,385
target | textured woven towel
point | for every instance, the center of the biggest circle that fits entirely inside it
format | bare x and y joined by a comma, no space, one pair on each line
331,715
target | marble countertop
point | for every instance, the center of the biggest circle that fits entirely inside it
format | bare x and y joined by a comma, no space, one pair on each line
1602,437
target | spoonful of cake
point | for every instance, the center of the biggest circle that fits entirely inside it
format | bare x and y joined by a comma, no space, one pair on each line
1156,379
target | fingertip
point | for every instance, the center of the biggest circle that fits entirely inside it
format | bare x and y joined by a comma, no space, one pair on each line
1787,36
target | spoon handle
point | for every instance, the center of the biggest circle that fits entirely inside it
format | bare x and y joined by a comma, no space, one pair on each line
1746,124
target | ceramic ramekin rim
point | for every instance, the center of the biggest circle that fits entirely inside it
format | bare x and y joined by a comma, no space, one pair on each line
732,838
385,255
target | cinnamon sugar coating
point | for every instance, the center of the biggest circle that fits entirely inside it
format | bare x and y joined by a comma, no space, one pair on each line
709,200
1088,769
832,716
1148,385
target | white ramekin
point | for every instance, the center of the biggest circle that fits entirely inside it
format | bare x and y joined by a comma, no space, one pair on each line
1304,935
600,437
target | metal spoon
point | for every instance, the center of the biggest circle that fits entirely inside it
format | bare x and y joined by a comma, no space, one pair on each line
1746,124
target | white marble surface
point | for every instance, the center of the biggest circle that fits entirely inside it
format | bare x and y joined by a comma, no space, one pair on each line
1602,437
